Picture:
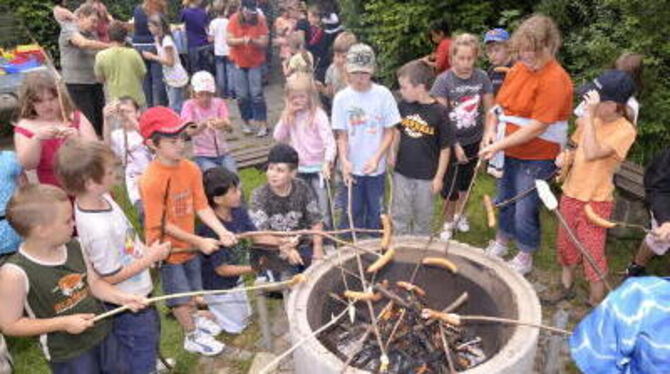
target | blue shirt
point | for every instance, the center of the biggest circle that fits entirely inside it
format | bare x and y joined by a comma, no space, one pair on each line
10,170
195,20
225,255
629,332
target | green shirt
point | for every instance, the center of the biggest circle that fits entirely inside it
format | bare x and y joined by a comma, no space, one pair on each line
122,70
61,290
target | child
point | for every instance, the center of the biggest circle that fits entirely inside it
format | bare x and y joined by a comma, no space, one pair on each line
305,126
48,287
440,34
88,171
218,31
11,175
500,58
172,193
317,43
174,73
195,20
364,114
603,138
423,139
468,94
46,118
210,116
336,76
300,60
284,25
286,203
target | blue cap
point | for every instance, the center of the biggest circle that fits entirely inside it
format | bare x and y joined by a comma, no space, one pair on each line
496,35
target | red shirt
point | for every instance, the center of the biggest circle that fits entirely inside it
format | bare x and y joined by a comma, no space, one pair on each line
247,56
442,55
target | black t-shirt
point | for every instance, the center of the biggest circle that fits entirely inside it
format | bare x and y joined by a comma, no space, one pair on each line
497,76
424,131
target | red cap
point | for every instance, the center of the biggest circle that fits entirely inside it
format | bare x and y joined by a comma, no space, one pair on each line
160,119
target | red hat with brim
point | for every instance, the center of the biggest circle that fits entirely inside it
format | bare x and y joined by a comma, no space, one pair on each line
160,119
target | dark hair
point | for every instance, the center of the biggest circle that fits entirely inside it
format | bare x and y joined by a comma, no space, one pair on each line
217,181
117,32
283,154
157,136
418,72
162,23
440,25
631,63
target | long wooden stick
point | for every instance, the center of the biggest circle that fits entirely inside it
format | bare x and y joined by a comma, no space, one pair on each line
509,321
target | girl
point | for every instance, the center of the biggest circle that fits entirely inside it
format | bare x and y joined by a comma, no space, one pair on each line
195,21
305,126
218,31
175,75
300,60
603,138
468,93
104,19
210,115
46,119
143,40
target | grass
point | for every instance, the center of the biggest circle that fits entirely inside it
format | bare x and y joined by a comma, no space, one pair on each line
28,357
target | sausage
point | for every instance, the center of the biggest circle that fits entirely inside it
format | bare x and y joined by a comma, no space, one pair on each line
381,261
409,287
450,318
387,231
297,279
440,262
362,296
490,214
595,219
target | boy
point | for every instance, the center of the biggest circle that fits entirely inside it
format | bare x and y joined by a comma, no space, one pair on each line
287,203
364,114
497,51
423,139
335,80
171,189
88,171
48,288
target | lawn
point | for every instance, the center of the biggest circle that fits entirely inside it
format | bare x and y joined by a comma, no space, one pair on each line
29,359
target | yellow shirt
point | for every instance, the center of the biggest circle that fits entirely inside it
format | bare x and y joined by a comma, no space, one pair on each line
593,180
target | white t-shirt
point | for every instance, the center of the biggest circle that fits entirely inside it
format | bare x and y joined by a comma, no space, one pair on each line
135,162
110,243
218,30
175,75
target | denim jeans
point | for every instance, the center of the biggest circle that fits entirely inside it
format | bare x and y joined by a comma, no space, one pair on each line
225,76
175,97
178,278
520,221
206,163
105,358
249,91
138,336
153,85
366,202
319,188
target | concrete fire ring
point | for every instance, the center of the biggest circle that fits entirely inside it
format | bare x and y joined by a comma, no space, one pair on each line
516,356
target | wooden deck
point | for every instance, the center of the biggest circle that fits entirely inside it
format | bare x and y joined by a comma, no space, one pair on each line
249,150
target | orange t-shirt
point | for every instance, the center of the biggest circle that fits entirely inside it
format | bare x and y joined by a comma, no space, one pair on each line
593,180
442,55
544,95
247,56
186,196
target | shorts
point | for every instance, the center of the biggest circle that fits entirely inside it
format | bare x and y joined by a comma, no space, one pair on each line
178,278
591,236
458,176
659,247
232,310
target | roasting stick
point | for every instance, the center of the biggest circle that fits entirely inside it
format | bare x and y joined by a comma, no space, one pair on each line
597,220
447,351
331,206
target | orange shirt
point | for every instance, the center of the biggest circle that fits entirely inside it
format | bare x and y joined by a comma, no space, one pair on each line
186,196
247,56
442,55
593,180
544,95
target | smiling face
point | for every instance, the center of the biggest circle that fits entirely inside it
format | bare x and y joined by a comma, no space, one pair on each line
46,105
279,176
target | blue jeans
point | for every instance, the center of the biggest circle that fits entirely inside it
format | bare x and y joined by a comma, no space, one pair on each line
153,85
178,278
206,163
175,97
249,91
138,336
104,358
366,202
225,76
520,221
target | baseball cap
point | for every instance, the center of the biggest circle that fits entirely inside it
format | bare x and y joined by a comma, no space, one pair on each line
283,154
160,119
612,85
250,6
496,35
203,81
360,59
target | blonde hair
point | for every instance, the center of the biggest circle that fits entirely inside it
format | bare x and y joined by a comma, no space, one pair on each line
78,161
154,6
464,40
301,82
344,41
35,84
537,33
33,205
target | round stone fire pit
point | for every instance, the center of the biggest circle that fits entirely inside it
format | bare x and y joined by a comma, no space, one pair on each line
493,289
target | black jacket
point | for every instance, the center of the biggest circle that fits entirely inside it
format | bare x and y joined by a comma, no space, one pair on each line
657,186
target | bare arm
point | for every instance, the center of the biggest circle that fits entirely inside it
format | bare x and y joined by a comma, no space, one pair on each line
208,217
28,150
86,130
521,136
233,270
371,165
152,254
318,241
104,291
81,42
593,150
261,41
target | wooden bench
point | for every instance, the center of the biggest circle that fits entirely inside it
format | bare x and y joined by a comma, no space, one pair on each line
629,199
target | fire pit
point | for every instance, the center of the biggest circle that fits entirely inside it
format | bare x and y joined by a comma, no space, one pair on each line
493,290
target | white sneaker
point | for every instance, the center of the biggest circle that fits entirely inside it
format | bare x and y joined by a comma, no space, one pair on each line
204,344
462,224
447,231
522,263
207,326
246,129
496,249
162,368
263,131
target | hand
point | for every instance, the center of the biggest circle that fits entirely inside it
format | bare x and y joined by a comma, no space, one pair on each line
436,185
662,232
371,165
66,132
208,245
132,301
347,169
77,323
460,154
487,152
325,170
227,238
47,132
159,251
391,159
148,55
293,257
111,109
563,159
591,99
489,138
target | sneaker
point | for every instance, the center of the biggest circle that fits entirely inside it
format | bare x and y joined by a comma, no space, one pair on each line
496,249
165,367
521,263
204,344
263,131
246,129
447,231
207,326
635,270
558,294
462,224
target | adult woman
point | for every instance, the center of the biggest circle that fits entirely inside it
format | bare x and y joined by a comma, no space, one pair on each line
143,40
534,104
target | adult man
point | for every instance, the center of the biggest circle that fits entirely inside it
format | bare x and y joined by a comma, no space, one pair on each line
248,38
78,46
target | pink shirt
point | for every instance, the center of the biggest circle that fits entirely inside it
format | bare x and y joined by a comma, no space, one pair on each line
210,142
313,141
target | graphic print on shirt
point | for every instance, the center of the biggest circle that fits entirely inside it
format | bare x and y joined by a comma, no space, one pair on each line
416,127
182,204
131,251
465,111
359,119
73,289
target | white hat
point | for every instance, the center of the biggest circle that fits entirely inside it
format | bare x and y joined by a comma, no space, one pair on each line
203,81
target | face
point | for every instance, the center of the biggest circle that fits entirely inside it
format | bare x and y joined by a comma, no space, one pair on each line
497,53
170,150
436,36
409,92
360,81
153,28
279,175
248,15
606,109
88,23
128,111
232,198
313,19
298,100
110,179
204,98
59,229
534,60
339,58
463,61
46,106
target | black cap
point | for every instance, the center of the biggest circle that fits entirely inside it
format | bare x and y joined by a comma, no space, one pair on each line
283,154
612,85
251,5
